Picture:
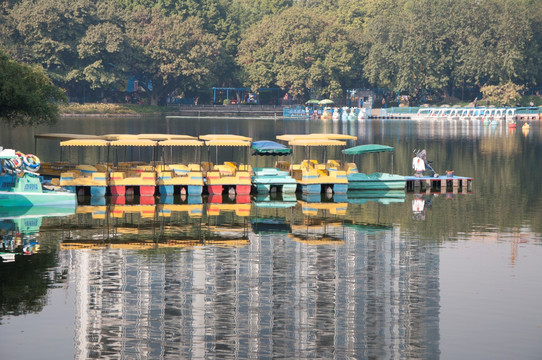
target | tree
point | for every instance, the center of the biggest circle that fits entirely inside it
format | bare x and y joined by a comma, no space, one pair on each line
299,49
174,54
416,50
27,95
506,94
79,43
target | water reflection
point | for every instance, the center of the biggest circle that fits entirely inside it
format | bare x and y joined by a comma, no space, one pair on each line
299,279
28,262
20,226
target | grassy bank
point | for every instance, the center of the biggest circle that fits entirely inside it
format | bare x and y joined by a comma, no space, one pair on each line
111,109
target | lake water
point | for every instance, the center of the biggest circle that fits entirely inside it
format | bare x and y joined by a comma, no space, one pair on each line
451,276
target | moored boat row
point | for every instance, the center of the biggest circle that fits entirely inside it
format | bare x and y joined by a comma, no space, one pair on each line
167,177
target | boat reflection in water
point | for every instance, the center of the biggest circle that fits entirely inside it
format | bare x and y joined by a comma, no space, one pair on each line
20,226
235,277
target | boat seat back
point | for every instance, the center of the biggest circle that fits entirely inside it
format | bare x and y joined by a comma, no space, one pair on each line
282,165
351,168
207,166
333,164
194,167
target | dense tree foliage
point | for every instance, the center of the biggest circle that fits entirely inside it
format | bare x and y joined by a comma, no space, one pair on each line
27,95
174,54
307,47
298,50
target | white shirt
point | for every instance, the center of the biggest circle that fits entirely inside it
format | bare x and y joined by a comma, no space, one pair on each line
418,164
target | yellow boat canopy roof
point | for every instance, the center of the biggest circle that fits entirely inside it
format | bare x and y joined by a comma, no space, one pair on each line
119,136
85,142
316,142
323,241
181,142
164,136
335,136
64,136
291,137
133,142
224,137
227,142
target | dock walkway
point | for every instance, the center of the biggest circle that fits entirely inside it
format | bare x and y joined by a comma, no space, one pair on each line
441,183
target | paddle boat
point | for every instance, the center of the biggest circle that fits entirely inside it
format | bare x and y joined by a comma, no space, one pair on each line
56,168
352,116
362,115
344,114
135,176
374,181
189,178
91,179
272,179
21,185
311,176
336,114
326,114
228,176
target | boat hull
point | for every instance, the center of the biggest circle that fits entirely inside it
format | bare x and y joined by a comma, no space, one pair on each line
46,198
376,181
265,179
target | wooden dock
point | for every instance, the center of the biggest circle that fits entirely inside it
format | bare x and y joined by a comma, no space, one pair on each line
440,184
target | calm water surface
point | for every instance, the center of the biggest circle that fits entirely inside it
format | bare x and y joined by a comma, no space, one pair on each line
452,276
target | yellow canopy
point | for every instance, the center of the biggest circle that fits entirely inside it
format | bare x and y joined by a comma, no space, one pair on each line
64,136
227,142
181,142
324,241
133,142
119,136
316,142
291,137
335,136
224,137
164,136
85,142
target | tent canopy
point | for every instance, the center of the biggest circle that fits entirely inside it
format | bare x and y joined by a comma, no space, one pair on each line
224,137
85,142
133,142
367,149
227,142
291,137
312,101
64,136
266,147
181,142
325,102
316,142
165,137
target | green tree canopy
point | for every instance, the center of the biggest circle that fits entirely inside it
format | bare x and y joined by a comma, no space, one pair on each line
175,54
298,49
27,95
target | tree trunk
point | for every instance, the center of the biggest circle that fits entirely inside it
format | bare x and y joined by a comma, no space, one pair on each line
154,99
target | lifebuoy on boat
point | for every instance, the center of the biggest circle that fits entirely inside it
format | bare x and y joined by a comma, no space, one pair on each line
31,162
13,164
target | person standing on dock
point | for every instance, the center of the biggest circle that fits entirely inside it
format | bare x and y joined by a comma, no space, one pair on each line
418,164
475,101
